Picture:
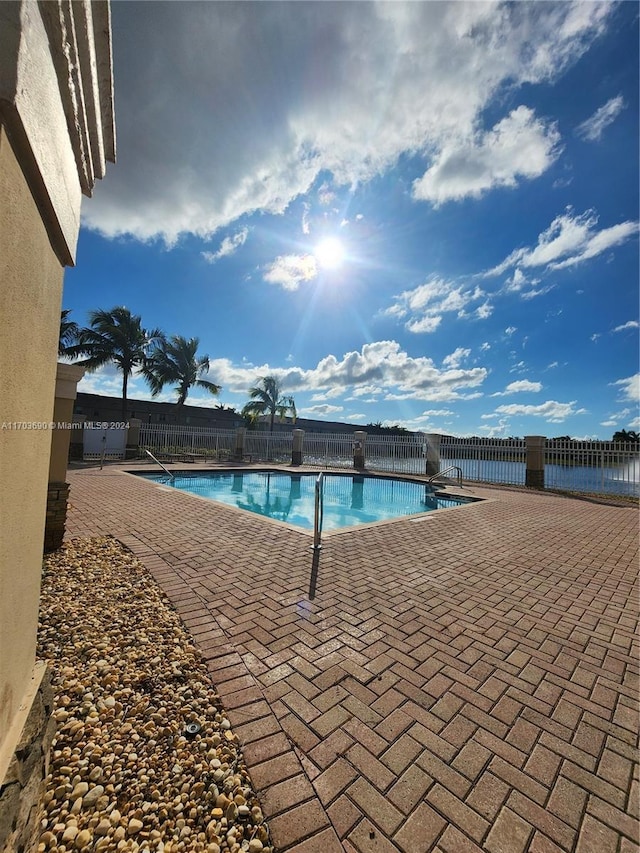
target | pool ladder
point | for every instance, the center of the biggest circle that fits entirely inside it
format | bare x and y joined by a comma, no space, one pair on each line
446,471
318,512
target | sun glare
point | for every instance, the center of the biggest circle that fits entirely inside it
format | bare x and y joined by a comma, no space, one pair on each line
329,253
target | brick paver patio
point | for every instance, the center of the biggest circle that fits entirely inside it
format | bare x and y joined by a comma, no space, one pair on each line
464,682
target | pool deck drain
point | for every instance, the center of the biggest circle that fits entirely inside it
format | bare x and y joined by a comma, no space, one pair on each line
468,684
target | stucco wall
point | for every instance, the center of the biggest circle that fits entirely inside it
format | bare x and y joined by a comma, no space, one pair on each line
30,298
56,98
56,133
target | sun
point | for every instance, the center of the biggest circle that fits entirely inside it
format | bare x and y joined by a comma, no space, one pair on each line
329,253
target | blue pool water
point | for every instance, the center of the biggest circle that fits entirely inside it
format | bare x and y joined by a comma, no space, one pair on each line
349,499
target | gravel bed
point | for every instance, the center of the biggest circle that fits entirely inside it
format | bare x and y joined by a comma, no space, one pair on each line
144,758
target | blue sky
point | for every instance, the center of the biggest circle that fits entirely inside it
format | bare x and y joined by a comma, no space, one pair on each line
414,213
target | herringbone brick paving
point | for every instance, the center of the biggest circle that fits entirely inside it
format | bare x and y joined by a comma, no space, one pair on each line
464,682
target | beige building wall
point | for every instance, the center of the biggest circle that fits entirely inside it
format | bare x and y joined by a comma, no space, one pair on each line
56,133
30,299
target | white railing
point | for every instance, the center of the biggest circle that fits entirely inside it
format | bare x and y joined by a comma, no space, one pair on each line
268,446
398,454
173,440
598,466
157,461
330,450
486,460
592,466
604,467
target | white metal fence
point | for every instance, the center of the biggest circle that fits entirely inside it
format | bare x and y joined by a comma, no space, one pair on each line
574,466
486,460
330,450
268,446
398,454
592,466
604,467
170,440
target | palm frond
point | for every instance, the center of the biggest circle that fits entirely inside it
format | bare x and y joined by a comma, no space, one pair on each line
69,331
266,398
175,360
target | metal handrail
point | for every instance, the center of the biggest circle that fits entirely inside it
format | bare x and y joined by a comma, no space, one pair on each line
318,512
157,461
446,470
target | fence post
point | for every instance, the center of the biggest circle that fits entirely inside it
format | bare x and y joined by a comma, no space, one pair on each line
296,447
133,438
238,453
359,438
433,453
534,477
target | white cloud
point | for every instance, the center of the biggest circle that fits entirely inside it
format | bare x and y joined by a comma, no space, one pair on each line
358,416
608,238
365,390
630,388
593,127
382,364
259,116
551,411
623,418
320,411
539,291
306,227
517,280
569,240
327,395
483,311
499,430
424,305
456,357
107,381
519,146
290,270
228,246
518,387
326,195
438,413
425,324
510,330
630,324
437,395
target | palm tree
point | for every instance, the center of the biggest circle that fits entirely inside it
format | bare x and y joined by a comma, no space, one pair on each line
267,397
69,332
176,359
628,435
115,337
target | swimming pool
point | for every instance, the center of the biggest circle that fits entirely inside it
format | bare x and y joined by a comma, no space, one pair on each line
349,499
